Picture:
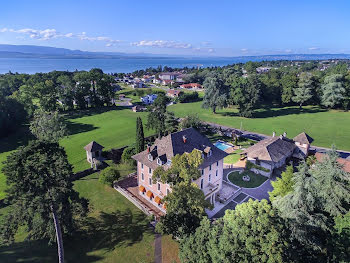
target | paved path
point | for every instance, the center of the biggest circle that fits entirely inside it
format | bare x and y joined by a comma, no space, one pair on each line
260,192
158,248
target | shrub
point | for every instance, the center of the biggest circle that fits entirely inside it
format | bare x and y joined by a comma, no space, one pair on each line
250,165
188,97
127,153
109,175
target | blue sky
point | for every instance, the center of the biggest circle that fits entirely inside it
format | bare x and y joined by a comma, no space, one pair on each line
208,28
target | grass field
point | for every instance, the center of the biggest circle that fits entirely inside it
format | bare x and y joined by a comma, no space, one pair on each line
326,127
255,179
170,250
111,128
114,231
233,158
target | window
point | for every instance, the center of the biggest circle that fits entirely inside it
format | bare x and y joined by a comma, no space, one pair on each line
201,183
202,171
142,177
142,166
149,170
158,186
217,163
150,157
209,167
168,162
167,191
150,181
257,162
209,177
216,173
159,161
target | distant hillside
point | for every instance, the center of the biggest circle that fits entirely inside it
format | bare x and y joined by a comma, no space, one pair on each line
29,51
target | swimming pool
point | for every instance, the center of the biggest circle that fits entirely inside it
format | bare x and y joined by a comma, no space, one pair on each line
222,145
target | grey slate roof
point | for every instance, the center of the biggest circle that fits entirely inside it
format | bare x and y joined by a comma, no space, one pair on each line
93,147
169,146
303,138
271,149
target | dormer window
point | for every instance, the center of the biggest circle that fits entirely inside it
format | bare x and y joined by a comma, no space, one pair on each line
209,153
159,161
150,157
168,162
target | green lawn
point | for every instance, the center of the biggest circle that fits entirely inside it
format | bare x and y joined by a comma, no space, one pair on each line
326,127
255,179
111,128
114,231
233,158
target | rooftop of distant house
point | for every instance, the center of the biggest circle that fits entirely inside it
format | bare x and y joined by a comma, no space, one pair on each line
191,85
343,162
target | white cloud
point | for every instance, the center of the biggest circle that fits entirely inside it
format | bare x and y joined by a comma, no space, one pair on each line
313,48
162,44
48,34
288,50
244,49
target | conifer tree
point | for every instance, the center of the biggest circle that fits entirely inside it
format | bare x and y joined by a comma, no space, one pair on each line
140,137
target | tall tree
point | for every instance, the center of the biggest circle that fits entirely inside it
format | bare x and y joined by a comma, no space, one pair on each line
140,137
156,116
184,168
245,92
171,123
185,207
189,121
333,91
289,83
41,193
283,185
48,126
304,91
251,233
216,93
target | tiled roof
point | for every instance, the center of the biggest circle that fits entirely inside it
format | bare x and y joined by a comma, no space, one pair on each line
303,138
272,149
345,163
93,147
169,146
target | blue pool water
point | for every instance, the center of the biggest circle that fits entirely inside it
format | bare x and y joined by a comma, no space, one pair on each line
222,145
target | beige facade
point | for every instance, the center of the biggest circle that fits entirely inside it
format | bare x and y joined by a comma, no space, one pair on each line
210,182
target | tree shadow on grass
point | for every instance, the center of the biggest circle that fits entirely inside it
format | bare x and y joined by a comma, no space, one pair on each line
75,128
91,112
107,232
273,112
21,137
37,251
268,112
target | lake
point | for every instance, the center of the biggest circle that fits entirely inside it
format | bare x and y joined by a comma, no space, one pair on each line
123,65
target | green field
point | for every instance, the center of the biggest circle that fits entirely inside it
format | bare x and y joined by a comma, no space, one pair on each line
233,158
114,231
255,179
326,127
111,128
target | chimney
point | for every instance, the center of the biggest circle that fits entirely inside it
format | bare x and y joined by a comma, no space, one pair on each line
184,139
273,134
148,148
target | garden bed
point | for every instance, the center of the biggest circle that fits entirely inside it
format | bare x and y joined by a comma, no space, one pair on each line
255,179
